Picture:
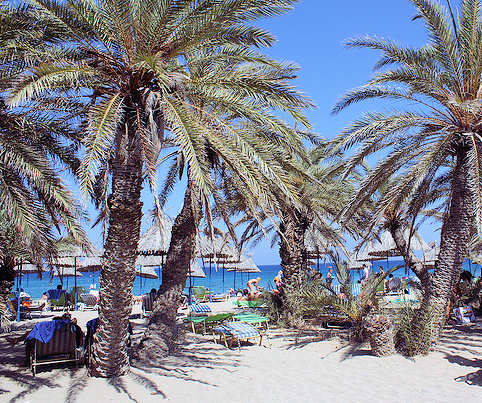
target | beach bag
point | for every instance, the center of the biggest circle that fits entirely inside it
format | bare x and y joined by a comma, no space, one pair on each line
464,314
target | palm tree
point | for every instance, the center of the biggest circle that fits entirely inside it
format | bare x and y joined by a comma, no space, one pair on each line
126,60
34,146
442,81
236,73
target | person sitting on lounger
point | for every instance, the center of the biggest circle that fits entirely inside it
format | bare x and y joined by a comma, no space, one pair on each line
253,286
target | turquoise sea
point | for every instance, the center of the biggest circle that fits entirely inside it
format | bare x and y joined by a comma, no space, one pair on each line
219,281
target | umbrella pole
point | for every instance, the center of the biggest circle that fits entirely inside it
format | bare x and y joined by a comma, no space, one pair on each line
190,286
75,281
223,277
19,285
210,292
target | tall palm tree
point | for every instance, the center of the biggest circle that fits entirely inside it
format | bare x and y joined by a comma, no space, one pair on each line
442,82
234,73
34,146
126,60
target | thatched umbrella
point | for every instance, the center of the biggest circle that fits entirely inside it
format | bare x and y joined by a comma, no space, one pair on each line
386,246
216,250
244,265
154,244
316,245
155,241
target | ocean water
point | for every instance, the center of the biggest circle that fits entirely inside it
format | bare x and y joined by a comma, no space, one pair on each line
218,281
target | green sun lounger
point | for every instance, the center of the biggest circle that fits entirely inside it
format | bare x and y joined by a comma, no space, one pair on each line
252,319
207,322
250,304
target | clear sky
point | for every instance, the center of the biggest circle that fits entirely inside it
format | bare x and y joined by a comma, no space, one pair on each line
312,36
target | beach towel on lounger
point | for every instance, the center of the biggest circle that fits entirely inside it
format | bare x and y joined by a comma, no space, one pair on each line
199,308
44,331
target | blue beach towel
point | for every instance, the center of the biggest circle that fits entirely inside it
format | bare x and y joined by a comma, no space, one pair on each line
199,308
44,331
238,329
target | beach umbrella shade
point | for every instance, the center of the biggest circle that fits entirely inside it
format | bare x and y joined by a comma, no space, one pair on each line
65,272
195,270
214,249
156,240
146,272
430,256
150,261
246,265
217,248
386,246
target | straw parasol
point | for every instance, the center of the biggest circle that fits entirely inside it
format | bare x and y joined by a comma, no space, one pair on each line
386,246
214,248
146,272
195,270
65,271
156,240
353,263
430,256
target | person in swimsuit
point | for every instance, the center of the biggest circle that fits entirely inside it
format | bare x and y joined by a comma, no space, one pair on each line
253,285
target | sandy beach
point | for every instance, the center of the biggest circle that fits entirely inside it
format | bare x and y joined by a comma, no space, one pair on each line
291,366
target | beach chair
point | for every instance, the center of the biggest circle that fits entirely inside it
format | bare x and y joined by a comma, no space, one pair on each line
89,301
25,312
237,332
50,343
207,323
147,304
253,319
199,309
249,304
200,293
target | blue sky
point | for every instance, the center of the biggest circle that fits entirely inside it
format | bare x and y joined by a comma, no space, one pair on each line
312,36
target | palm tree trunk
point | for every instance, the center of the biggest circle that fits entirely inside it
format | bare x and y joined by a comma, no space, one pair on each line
117,276
292,253
456,234
162,335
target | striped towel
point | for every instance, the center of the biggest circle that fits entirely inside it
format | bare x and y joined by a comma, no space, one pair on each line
238,330
199,308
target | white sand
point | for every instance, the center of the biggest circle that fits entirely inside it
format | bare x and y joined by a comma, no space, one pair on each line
291,367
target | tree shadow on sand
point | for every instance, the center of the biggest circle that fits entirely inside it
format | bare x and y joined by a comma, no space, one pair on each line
27,381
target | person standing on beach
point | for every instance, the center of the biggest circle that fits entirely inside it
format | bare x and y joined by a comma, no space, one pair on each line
366,272
329,277
254,282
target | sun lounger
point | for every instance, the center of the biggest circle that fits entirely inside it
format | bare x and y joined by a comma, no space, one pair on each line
199,308
237,331
207,322
52,342
250,304
24,310
200,293
252,319
89,301
147,303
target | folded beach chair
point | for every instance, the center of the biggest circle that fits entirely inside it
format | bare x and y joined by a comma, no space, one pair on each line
237,331
200,293
147,303
89,300
52,342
